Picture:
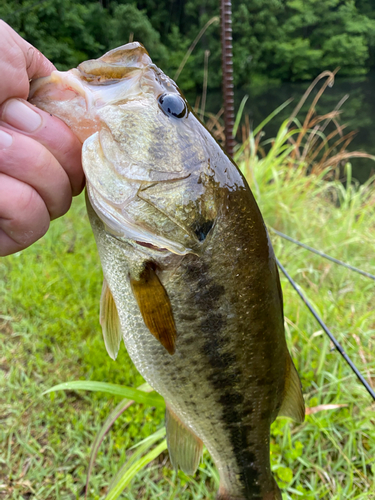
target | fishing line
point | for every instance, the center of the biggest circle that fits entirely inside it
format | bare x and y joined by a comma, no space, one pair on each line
226,46
337,345
318,252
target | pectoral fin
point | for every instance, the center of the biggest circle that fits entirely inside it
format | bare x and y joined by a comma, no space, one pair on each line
155,308
110,321
293,405
185,448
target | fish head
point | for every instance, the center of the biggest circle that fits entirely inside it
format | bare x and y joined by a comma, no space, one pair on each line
150,164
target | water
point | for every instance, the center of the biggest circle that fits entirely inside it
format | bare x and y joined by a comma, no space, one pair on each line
358,112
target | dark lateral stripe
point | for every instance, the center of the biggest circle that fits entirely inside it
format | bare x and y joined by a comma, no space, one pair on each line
225,375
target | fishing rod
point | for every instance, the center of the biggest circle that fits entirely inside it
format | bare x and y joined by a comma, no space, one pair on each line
322,254
337,345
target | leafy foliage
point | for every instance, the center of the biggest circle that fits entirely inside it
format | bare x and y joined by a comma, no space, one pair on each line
274,39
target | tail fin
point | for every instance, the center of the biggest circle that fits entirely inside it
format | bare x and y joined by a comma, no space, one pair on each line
275,494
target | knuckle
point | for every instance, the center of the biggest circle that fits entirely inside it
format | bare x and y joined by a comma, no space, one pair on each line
35,220
56,193
28,218
62,208
28,201
41,160
69,151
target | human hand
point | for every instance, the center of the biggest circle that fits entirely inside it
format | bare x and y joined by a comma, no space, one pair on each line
40,158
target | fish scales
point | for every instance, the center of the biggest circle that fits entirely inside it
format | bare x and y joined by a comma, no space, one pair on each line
224,364
191,270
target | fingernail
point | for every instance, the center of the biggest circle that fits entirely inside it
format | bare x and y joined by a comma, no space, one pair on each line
19,115
5,139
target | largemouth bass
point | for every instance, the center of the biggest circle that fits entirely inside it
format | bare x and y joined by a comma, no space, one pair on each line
190,279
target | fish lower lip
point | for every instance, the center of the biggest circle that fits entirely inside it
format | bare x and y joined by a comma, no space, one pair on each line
149,245
140,243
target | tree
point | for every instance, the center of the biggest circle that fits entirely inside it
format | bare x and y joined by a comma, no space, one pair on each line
272,39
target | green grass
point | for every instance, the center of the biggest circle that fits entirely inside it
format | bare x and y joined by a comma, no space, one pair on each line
49,333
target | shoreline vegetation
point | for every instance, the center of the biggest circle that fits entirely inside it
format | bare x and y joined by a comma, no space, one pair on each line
276,40
50,333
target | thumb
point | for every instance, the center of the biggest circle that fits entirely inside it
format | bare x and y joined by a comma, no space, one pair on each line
20,62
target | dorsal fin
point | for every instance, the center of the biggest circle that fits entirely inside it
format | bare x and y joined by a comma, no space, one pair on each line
293,405
155,307
110,321
185,448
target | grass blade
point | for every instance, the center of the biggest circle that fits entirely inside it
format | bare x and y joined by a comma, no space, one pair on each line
239,115
213,20
112,417
272,115
140,448
152,399
129,474
110,420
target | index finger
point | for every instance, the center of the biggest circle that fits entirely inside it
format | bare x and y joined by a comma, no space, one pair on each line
20,62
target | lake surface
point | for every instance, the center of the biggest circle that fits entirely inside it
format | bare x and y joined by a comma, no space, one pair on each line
358,112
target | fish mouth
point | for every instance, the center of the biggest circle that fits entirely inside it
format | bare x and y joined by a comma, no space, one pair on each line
124,74
119,70
143,244
71,79
96,100
113,78
116,64
150,246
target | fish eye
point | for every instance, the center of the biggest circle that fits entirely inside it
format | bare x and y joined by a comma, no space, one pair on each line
173,104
